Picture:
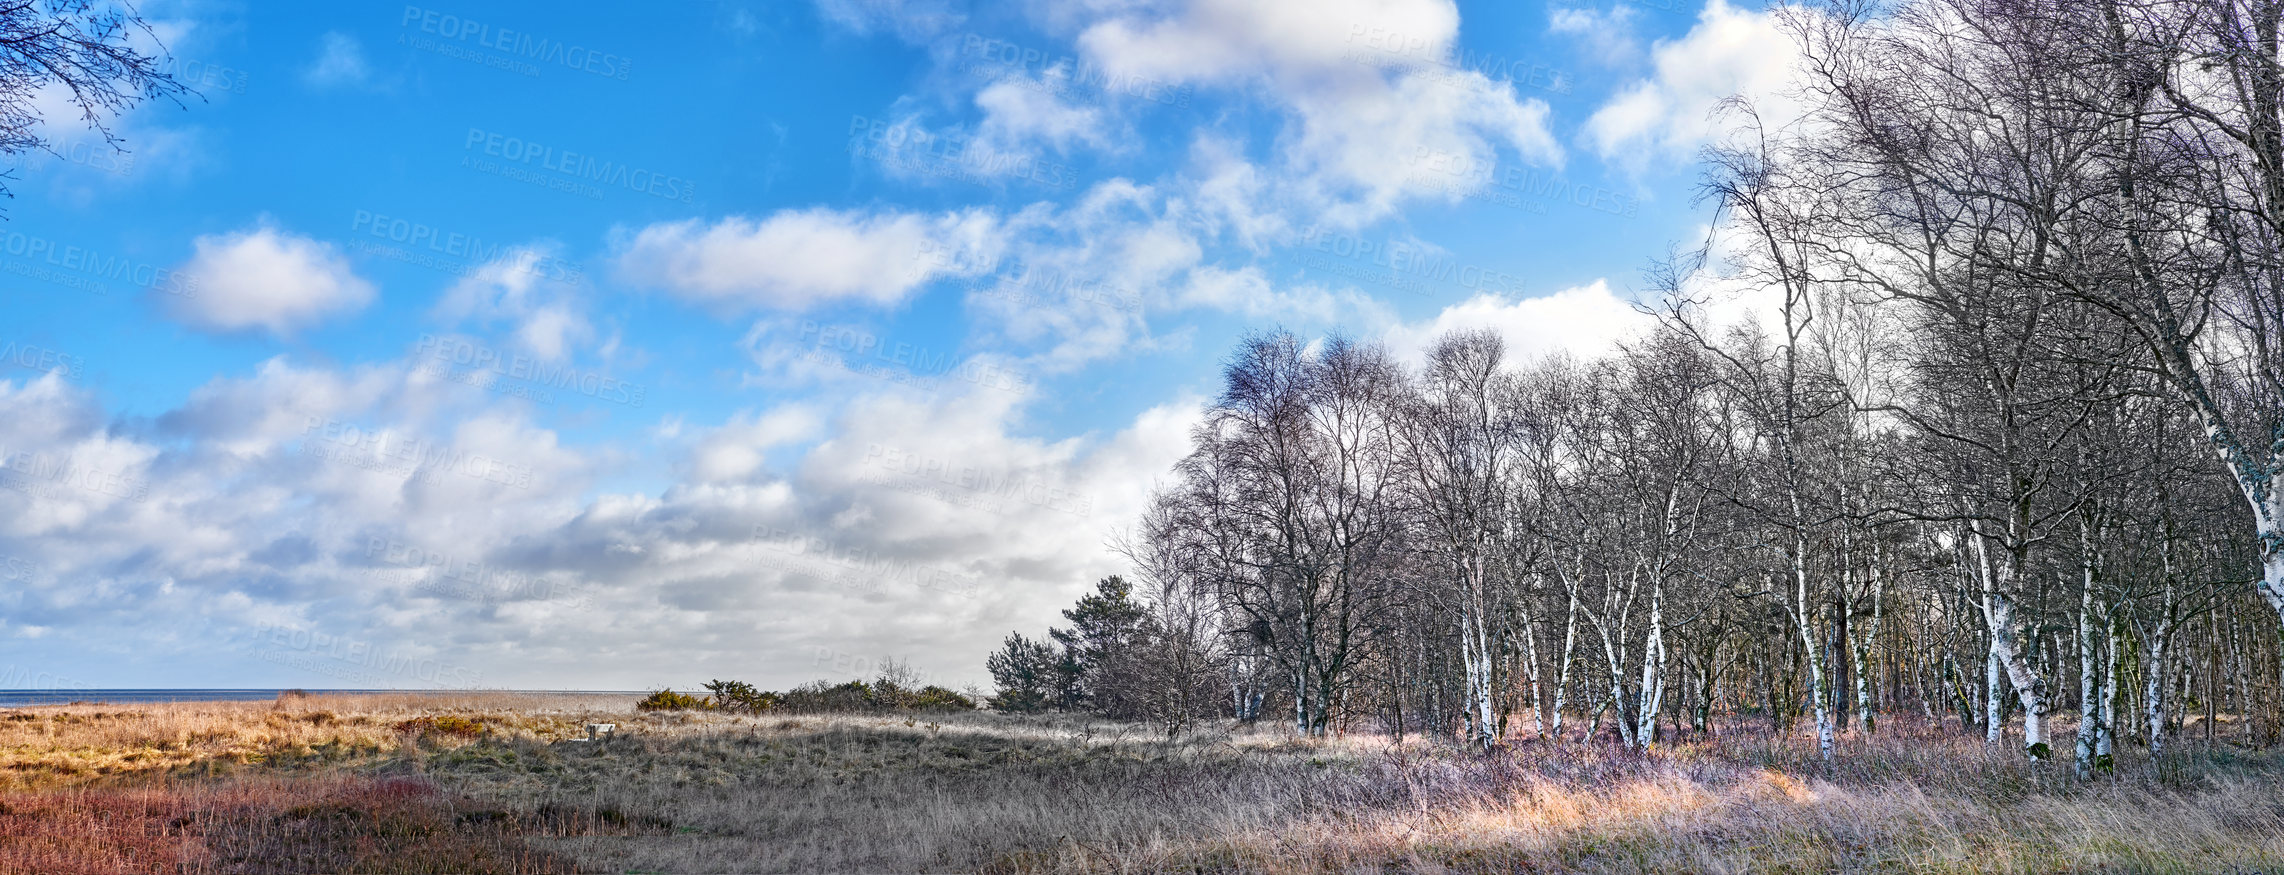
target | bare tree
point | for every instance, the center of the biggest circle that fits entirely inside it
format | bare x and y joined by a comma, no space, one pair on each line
1458,434
100,58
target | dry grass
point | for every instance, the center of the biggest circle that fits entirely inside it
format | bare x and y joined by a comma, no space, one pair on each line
704,792
77,744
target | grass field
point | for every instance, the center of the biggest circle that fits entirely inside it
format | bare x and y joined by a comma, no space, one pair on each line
499,784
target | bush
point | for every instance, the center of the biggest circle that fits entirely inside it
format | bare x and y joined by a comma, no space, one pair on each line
821,696
883,694
935,698
669,700
739,696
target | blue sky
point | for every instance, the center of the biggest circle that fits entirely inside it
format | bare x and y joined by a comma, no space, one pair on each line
521,345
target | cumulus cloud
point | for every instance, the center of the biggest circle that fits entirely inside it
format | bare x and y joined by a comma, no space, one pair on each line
1371,86
1730,51
519,287
1019,111
266,279
454,541
1583,320
1365,150
1209,40
799,259
260,501
1249,292
1078,288
737,450
922,528
1607,35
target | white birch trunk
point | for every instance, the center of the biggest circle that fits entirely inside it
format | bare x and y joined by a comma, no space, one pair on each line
2027,685
1994,712
1563,663
1994,680
1802,617
1475,647
2105,746
2089,690
1653,669
1861,650
1538,690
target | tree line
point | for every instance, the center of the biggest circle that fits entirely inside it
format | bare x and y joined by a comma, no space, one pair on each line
1973,409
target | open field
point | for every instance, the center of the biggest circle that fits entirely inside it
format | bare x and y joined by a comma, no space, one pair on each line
475,783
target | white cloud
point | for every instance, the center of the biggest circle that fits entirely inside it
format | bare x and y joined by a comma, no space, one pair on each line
1364,150
1369,84
1020,110
1230,192
517,287
1219,40
736,451
364,505
340,62
258,500
799,259
919,528
1607,35
1729,52
1583,320
1248,292
264,278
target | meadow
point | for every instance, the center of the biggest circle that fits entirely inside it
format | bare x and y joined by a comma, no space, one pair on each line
506,783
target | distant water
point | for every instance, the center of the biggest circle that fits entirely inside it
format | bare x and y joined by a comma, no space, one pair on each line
21,698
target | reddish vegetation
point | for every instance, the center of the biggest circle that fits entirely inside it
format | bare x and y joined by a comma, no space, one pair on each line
258,827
